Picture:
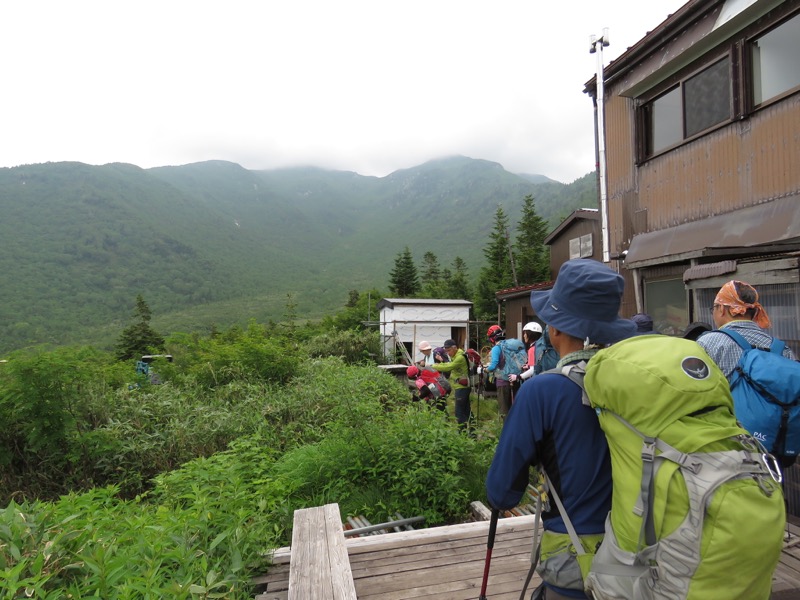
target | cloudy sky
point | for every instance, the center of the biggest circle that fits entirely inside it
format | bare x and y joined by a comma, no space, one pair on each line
370,86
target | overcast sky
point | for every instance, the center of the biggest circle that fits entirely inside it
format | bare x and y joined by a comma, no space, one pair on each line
370,86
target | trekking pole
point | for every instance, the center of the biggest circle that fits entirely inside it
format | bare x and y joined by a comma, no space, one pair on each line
489,546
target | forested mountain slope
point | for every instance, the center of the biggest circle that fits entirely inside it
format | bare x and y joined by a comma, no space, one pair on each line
214,243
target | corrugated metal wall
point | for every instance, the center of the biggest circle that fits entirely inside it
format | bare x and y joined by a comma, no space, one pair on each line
744,163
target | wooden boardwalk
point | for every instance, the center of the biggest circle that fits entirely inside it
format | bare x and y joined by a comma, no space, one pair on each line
447,563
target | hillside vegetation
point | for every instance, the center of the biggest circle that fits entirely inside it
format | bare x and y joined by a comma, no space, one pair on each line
112,487
213,244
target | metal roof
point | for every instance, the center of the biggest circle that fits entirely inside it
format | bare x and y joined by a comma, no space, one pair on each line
391,302
771,224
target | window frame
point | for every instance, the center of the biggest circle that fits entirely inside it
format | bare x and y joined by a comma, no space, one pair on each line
749,68
739,51
645,103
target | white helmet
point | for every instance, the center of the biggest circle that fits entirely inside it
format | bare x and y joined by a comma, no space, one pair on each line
533,326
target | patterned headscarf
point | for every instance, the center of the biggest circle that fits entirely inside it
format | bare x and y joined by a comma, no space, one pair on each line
727,296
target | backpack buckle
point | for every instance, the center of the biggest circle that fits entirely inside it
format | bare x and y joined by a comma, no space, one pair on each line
649,449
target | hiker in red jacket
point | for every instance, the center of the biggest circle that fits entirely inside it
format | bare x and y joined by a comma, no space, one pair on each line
431,386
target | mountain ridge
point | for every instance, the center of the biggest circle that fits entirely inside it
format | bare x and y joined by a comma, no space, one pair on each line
81,241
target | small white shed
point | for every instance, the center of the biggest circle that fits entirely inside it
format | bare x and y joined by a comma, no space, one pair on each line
417,319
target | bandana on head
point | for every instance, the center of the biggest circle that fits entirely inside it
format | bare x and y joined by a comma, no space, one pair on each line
727,296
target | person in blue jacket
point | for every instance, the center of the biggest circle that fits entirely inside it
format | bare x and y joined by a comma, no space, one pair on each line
550,427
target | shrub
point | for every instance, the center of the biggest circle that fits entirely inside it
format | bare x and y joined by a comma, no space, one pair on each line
352,346
250,356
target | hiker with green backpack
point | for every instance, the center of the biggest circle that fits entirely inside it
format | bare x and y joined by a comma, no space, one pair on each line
691,502
550,428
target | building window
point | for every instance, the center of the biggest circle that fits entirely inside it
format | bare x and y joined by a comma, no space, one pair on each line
665,302
698,103
775,64
581,247
664,121
707,98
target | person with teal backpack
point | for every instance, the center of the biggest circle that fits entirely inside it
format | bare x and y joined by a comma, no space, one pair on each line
546,356
763,373
508,357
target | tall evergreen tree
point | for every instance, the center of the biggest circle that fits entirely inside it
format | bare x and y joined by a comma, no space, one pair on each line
456,282
431,276
497,273
532,256
403,279
139,338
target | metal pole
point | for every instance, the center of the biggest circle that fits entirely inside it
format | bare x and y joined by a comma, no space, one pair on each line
597,48
489,546
387,525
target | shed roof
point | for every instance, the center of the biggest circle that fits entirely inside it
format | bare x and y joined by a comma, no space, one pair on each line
582,213
392,302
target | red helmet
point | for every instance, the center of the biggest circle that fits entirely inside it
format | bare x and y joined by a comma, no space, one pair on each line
493,331
412,372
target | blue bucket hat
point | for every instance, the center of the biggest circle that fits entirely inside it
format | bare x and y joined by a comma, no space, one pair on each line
584,303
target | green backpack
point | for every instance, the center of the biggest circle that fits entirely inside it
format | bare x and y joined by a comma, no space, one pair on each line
697,508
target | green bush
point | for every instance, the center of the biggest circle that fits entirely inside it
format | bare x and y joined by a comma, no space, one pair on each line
352,346
250,356
218,468
48,402
93,545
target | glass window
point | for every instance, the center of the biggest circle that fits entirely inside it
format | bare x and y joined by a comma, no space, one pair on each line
664,121
707,97
776,68
665,302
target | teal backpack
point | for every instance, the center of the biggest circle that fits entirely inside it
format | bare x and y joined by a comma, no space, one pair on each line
514,356
546,355
697,508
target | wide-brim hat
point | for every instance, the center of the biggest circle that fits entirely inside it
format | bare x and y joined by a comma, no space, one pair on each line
585,302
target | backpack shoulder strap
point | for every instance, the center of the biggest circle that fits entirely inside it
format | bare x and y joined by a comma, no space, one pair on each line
776,346
736,337
575,373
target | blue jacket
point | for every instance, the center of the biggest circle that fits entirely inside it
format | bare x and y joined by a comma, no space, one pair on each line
549,425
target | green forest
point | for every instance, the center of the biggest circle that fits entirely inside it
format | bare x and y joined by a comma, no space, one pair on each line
211,245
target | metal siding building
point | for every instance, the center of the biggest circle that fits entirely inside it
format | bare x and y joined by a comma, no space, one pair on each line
727,190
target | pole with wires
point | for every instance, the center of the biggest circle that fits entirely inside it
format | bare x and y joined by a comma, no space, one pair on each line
489,547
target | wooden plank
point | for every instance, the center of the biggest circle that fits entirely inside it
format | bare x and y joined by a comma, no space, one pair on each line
320,567
475,529
340,573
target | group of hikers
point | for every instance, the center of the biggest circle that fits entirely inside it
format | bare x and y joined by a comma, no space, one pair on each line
657,459
656,478
510,362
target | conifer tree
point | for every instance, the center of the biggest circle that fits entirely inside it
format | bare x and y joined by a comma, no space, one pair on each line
497,274
456,282
403,279
139,338
431,276
532,256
